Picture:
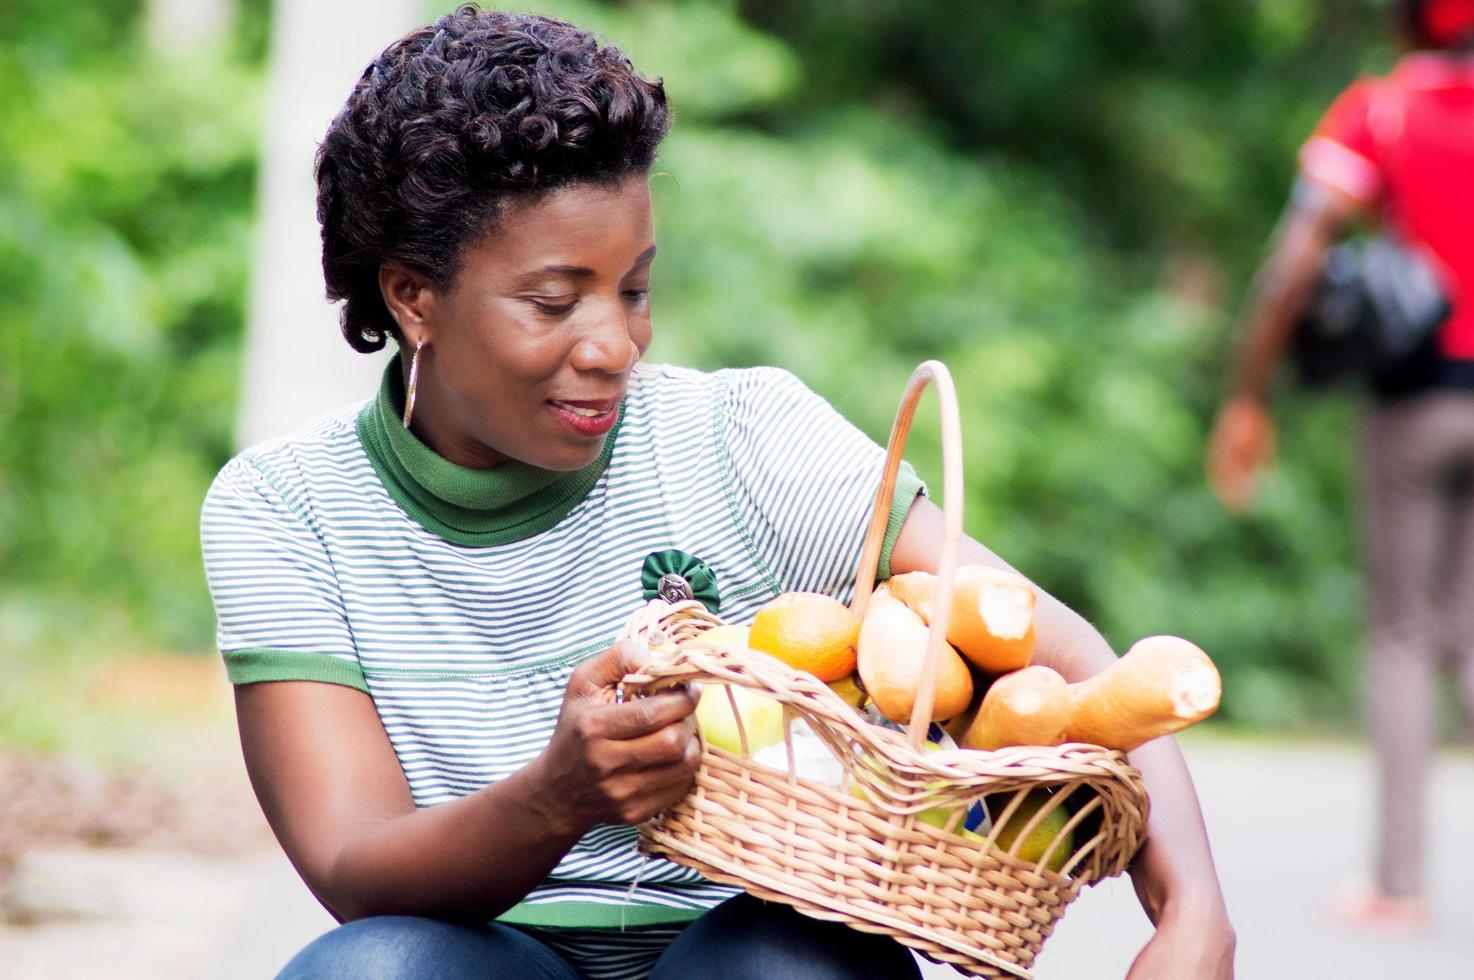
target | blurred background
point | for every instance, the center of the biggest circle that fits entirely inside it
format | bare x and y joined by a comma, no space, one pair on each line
1064,200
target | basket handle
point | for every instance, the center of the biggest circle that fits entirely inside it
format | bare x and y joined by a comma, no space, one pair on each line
936,374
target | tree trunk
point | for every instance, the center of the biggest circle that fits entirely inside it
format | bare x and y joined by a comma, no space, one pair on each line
296,365
175,26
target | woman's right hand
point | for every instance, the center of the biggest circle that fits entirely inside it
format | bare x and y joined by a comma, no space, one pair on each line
1242,444
617,763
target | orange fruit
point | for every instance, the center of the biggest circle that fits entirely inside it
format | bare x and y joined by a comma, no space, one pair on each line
809,631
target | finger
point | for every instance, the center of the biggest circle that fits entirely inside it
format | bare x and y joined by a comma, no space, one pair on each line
662,747
604,670
1221,478
643,716
656,791
1239,493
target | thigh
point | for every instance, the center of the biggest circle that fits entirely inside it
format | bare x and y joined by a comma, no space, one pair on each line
402,947
1455,599
1403,512
747,939
1455,589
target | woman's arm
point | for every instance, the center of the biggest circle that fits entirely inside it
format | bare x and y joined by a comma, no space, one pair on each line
333,791
1243,435
1173,873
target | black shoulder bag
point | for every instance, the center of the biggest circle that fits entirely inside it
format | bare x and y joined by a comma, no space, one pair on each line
1377,305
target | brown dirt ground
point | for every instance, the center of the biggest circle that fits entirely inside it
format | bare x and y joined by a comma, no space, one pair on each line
178,785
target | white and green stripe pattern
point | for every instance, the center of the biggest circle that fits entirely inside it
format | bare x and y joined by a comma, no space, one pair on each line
317,574
611,954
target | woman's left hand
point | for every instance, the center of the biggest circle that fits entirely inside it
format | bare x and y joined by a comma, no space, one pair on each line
1187,947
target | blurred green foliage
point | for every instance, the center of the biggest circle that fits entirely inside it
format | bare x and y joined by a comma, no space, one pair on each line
1063,200
126,189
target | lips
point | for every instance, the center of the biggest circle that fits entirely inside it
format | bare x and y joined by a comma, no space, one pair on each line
587,418
588,409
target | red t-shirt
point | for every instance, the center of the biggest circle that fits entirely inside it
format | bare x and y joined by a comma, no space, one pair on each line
1405,144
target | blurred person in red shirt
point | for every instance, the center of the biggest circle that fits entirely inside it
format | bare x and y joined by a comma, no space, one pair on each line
1397,149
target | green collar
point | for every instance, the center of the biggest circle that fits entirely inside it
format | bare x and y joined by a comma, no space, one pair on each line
462,505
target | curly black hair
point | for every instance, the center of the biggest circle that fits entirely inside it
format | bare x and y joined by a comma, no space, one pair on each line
451,122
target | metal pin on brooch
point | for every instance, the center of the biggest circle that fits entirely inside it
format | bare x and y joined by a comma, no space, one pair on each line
674,588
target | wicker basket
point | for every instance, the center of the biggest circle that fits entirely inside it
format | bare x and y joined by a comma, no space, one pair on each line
866,860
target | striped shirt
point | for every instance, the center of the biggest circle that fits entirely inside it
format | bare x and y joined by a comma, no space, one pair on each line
349,553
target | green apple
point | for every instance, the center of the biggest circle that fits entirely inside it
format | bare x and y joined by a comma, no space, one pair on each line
937,816
850,692
1041,837
725,636
762,718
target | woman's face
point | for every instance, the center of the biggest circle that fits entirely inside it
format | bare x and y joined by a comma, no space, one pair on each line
528,353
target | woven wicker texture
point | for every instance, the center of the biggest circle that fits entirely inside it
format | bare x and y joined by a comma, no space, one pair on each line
863,857
869,862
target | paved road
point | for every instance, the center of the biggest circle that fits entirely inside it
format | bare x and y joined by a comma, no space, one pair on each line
1289,825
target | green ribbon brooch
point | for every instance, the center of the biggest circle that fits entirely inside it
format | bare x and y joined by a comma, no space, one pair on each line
676,576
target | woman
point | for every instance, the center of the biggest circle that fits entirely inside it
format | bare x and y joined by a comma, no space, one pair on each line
416,598
1398,149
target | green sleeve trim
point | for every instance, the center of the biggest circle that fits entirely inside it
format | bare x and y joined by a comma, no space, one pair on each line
256,666
908,485
592,915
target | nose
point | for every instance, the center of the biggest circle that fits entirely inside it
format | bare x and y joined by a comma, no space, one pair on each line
608,344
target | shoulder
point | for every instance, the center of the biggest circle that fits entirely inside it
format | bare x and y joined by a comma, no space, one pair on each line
1361,92
1347,113
1342,152
664,394
284,469
656,383
770,398
747,384
737,400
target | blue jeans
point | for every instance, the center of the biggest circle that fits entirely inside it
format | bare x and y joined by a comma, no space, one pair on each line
741,939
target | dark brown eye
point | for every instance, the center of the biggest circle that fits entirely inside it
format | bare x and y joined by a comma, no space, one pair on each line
552,307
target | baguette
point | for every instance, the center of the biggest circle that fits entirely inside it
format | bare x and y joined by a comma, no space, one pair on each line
992,621
892,651
1026,707
1162,685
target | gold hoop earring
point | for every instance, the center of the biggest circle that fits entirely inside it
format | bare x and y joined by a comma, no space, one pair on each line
414,380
